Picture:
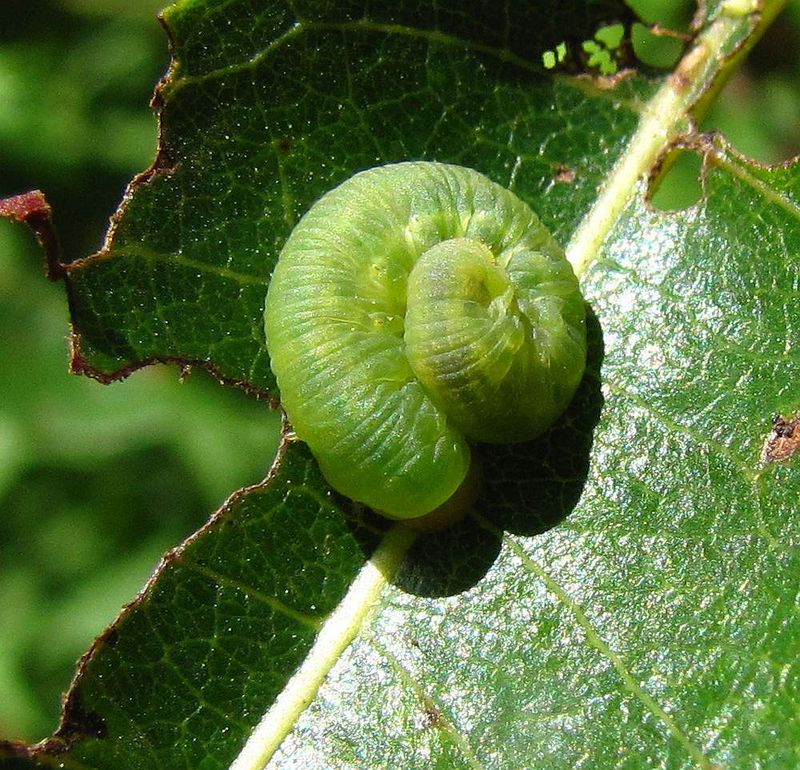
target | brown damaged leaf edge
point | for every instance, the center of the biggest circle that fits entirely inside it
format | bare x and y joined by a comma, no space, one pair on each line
78,364
607,82
783,440
714,149
659,31
692,141
162,165
31,208
78,723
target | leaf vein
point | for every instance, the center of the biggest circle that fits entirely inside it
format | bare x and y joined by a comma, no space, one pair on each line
335,635
135,251
270,601
696,437
771,195
442,722
432,36
595,640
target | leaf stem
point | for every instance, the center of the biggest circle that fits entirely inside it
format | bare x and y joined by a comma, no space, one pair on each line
334,637
670,113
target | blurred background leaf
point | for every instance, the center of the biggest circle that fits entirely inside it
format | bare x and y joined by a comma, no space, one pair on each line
79,462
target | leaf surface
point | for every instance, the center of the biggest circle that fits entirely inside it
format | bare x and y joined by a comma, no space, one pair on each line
656,625
263,113
626,595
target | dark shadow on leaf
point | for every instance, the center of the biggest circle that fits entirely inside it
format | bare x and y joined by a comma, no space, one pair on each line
527,489
448,562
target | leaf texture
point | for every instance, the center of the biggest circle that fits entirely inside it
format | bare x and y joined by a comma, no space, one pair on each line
626,595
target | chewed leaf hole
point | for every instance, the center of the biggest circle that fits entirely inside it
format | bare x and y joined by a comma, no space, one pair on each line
678,186
659,39
655,50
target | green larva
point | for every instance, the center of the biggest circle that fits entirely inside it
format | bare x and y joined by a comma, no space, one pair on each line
415,309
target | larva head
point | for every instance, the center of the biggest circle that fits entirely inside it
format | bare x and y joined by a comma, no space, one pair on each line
414,309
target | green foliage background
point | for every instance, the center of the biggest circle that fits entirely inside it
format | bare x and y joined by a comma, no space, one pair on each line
85,470
81,464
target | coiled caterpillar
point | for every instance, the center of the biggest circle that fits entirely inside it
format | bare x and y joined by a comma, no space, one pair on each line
415,309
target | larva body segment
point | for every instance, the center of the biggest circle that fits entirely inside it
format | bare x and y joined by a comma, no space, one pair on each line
416,308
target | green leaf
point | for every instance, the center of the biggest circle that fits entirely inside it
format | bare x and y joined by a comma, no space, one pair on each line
258,126
626,594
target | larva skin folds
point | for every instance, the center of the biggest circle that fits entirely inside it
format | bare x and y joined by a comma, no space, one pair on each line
414,309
